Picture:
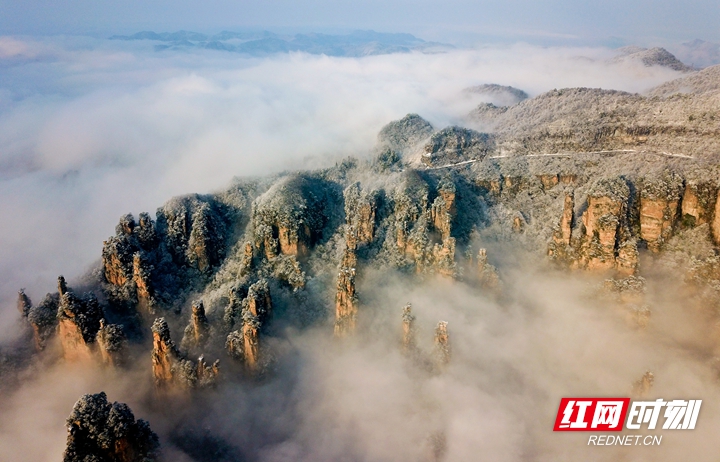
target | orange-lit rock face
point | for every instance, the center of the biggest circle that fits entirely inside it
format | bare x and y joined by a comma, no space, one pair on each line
601,227
518,224
366,223
568,179
691,206
509,182
288,243
197,332
657,217
441,216
345,302
114,271
715,225
141,278
598,207
206,375
360,210
74,347
292,242
259,302
251,332
549,181
163,354
79,320
606,239
161,365
110,342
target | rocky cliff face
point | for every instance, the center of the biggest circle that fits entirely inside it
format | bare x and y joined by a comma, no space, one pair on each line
112,343
149,263
585,210
164,353
442,343
291,217
408,330
587,180
346,310
79,322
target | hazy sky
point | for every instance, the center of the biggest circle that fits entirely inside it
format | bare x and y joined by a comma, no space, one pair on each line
641,21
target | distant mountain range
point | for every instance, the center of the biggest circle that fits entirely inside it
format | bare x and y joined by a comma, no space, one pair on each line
260,43
698,53
650,57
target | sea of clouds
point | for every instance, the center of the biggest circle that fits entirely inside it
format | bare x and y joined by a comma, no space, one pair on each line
93,129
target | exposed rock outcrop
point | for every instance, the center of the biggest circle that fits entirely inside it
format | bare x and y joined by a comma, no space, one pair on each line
697,204
141,278
259,302
235,345
602,220
112,344
290,218
250,314
715,225
642,387
251,339
360,215
79,322
164,355
345,302
148,263
423,232
605,240
247,260
659,208
194,230
442,344
408,324
487,273
62,286
44,320
100,431
172,369
23,303
443,209
197,333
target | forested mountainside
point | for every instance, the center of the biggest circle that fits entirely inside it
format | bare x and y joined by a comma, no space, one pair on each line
582,180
